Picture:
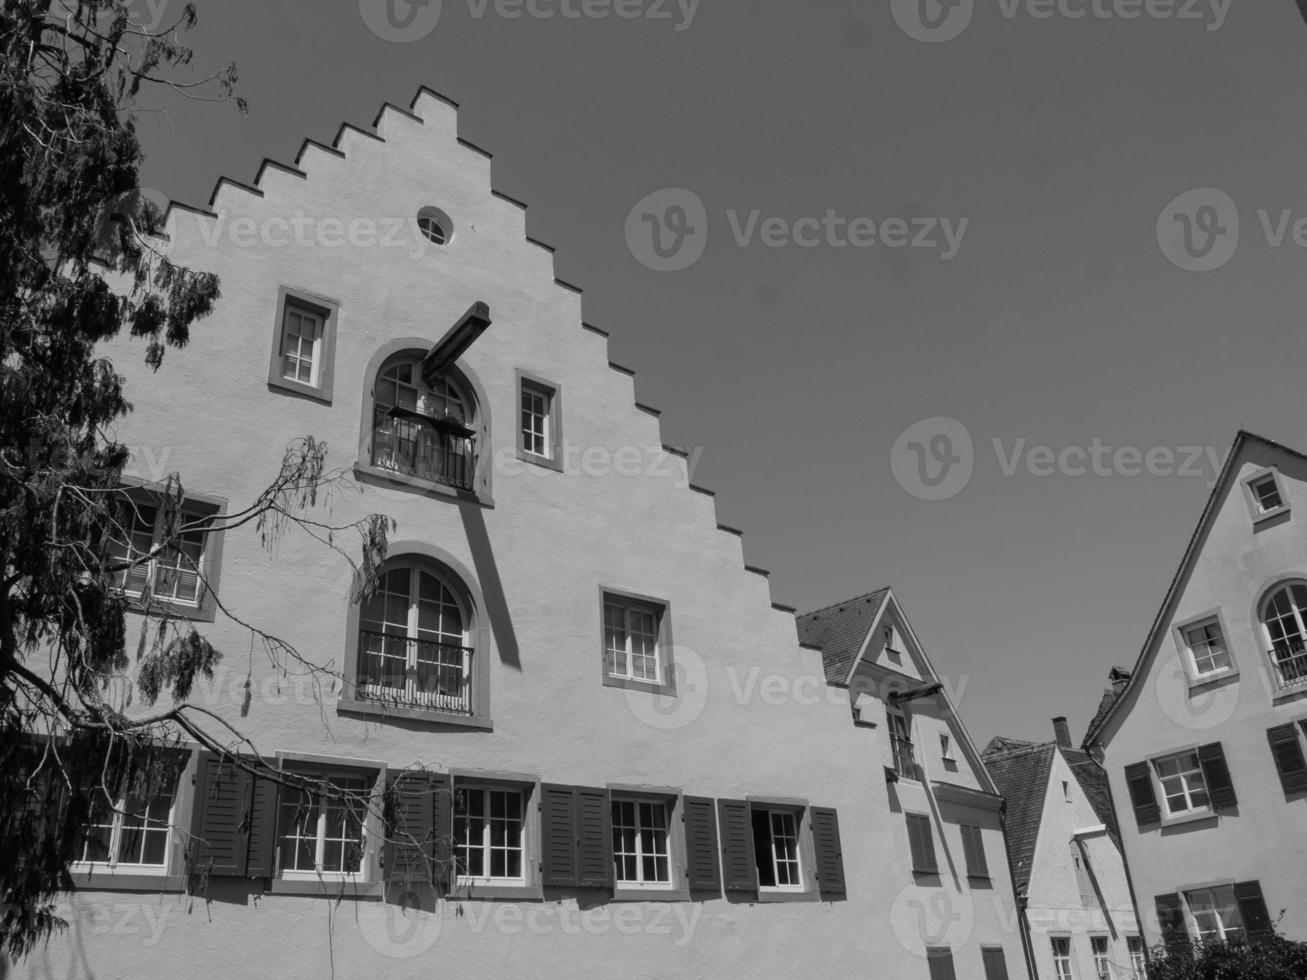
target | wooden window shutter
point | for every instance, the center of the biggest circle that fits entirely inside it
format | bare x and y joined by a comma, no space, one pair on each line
442,823
1170,917
558,868
973,851
594,838
1139,780
411,828
829,852
221,820
1217,776
262,853
940,961
1288,755
995,963
1252,907
702,872
921,841
736,823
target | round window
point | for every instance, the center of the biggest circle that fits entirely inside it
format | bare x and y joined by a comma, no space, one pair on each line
435,226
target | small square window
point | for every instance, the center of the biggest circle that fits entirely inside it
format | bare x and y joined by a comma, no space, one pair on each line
170,555
539,436
1183,786
1208,653
1266,493
776,849
637,650
131,832
303,346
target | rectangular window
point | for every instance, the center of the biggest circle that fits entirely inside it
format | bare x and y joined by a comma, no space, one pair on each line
303,346
1138,966
632,640
1207,650
1183,786
322,834
536,438
131,832
973,850
1216,914
995,963
921,842
1102,964
168,562
641,851
776,849
489,836
1062,958
939,959
900,734
1266,493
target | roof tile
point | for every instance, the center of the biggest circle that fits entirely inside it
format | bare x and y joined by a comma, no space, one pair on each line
840,631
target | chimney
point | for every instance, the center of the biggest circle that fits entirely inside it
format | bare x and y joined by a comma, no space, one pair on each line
1063,732
1118,678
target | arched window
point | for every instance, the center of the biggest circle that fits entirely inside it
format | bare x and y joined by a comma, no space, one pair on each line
1284,617
420,429
415,636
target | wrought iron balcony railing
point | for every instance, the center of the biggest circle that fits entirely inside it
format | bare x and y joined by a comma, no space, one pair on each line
430,448
416,673
1289,660
905,760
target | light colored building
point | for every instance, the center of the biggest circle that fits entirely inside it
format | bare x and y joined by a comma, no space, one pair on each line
940,818
1066,860
1204,743
630,764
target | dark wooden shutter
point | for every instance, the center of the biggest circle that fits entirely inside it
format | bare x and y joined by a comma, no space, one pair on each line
702,872
1217,776
594,838
442,824
221,820
1139,780
411,829
1252,908
261,859
829,852
973,851
1288,755
940,961
1170,917
736,822
557,837
995,963
921,841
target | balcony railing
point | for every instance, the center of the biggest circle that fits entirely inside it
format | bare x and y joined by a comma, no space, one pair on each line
415,673
905,760
1289,659
439,450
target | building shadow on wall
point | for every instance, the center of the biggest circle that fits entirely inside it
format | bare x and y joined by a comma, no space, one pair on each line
492,586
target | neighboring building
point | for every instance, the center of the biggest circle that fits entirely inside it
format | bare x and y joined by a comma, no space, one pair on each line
632,765
1066,860
941,815
1204,743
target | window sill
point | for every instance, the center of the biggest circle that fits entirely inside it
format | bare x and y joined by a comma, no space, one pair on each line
1287,694
544,462
110,881
203,613
1201,683
391,480
1264,517
430,716
770,895
1188,818
489,893
630,684
621,894
287,387
333,888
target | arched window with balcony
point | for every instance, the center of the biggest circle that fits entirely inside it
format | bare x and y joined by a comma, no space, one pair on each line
423,428
1284,620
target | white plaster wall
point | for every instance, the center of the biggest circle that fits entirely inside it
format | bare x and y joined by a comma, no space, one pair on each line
1232,573
554,539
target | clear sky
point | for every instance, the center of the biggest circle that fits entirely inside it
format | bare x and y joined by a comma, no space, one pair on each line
1060,320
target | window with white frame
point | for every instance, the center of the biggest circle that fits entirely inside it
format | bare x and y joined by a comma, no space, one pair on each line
1062,957
131,832
631,640
1138,964
302,342
537,428
641,848
776,849
1208,653
490,835
173,573
1215,913
1284,619
1183,786
1265,491
320,833
1102,963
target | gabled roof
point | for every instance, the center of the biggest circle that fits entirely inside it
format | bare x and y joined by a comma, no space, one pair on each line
840,631
1021,775
1219,490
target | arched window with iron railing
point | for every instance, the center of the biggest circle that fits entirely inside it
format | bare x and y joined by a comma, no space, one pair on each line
1284,620
423,428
